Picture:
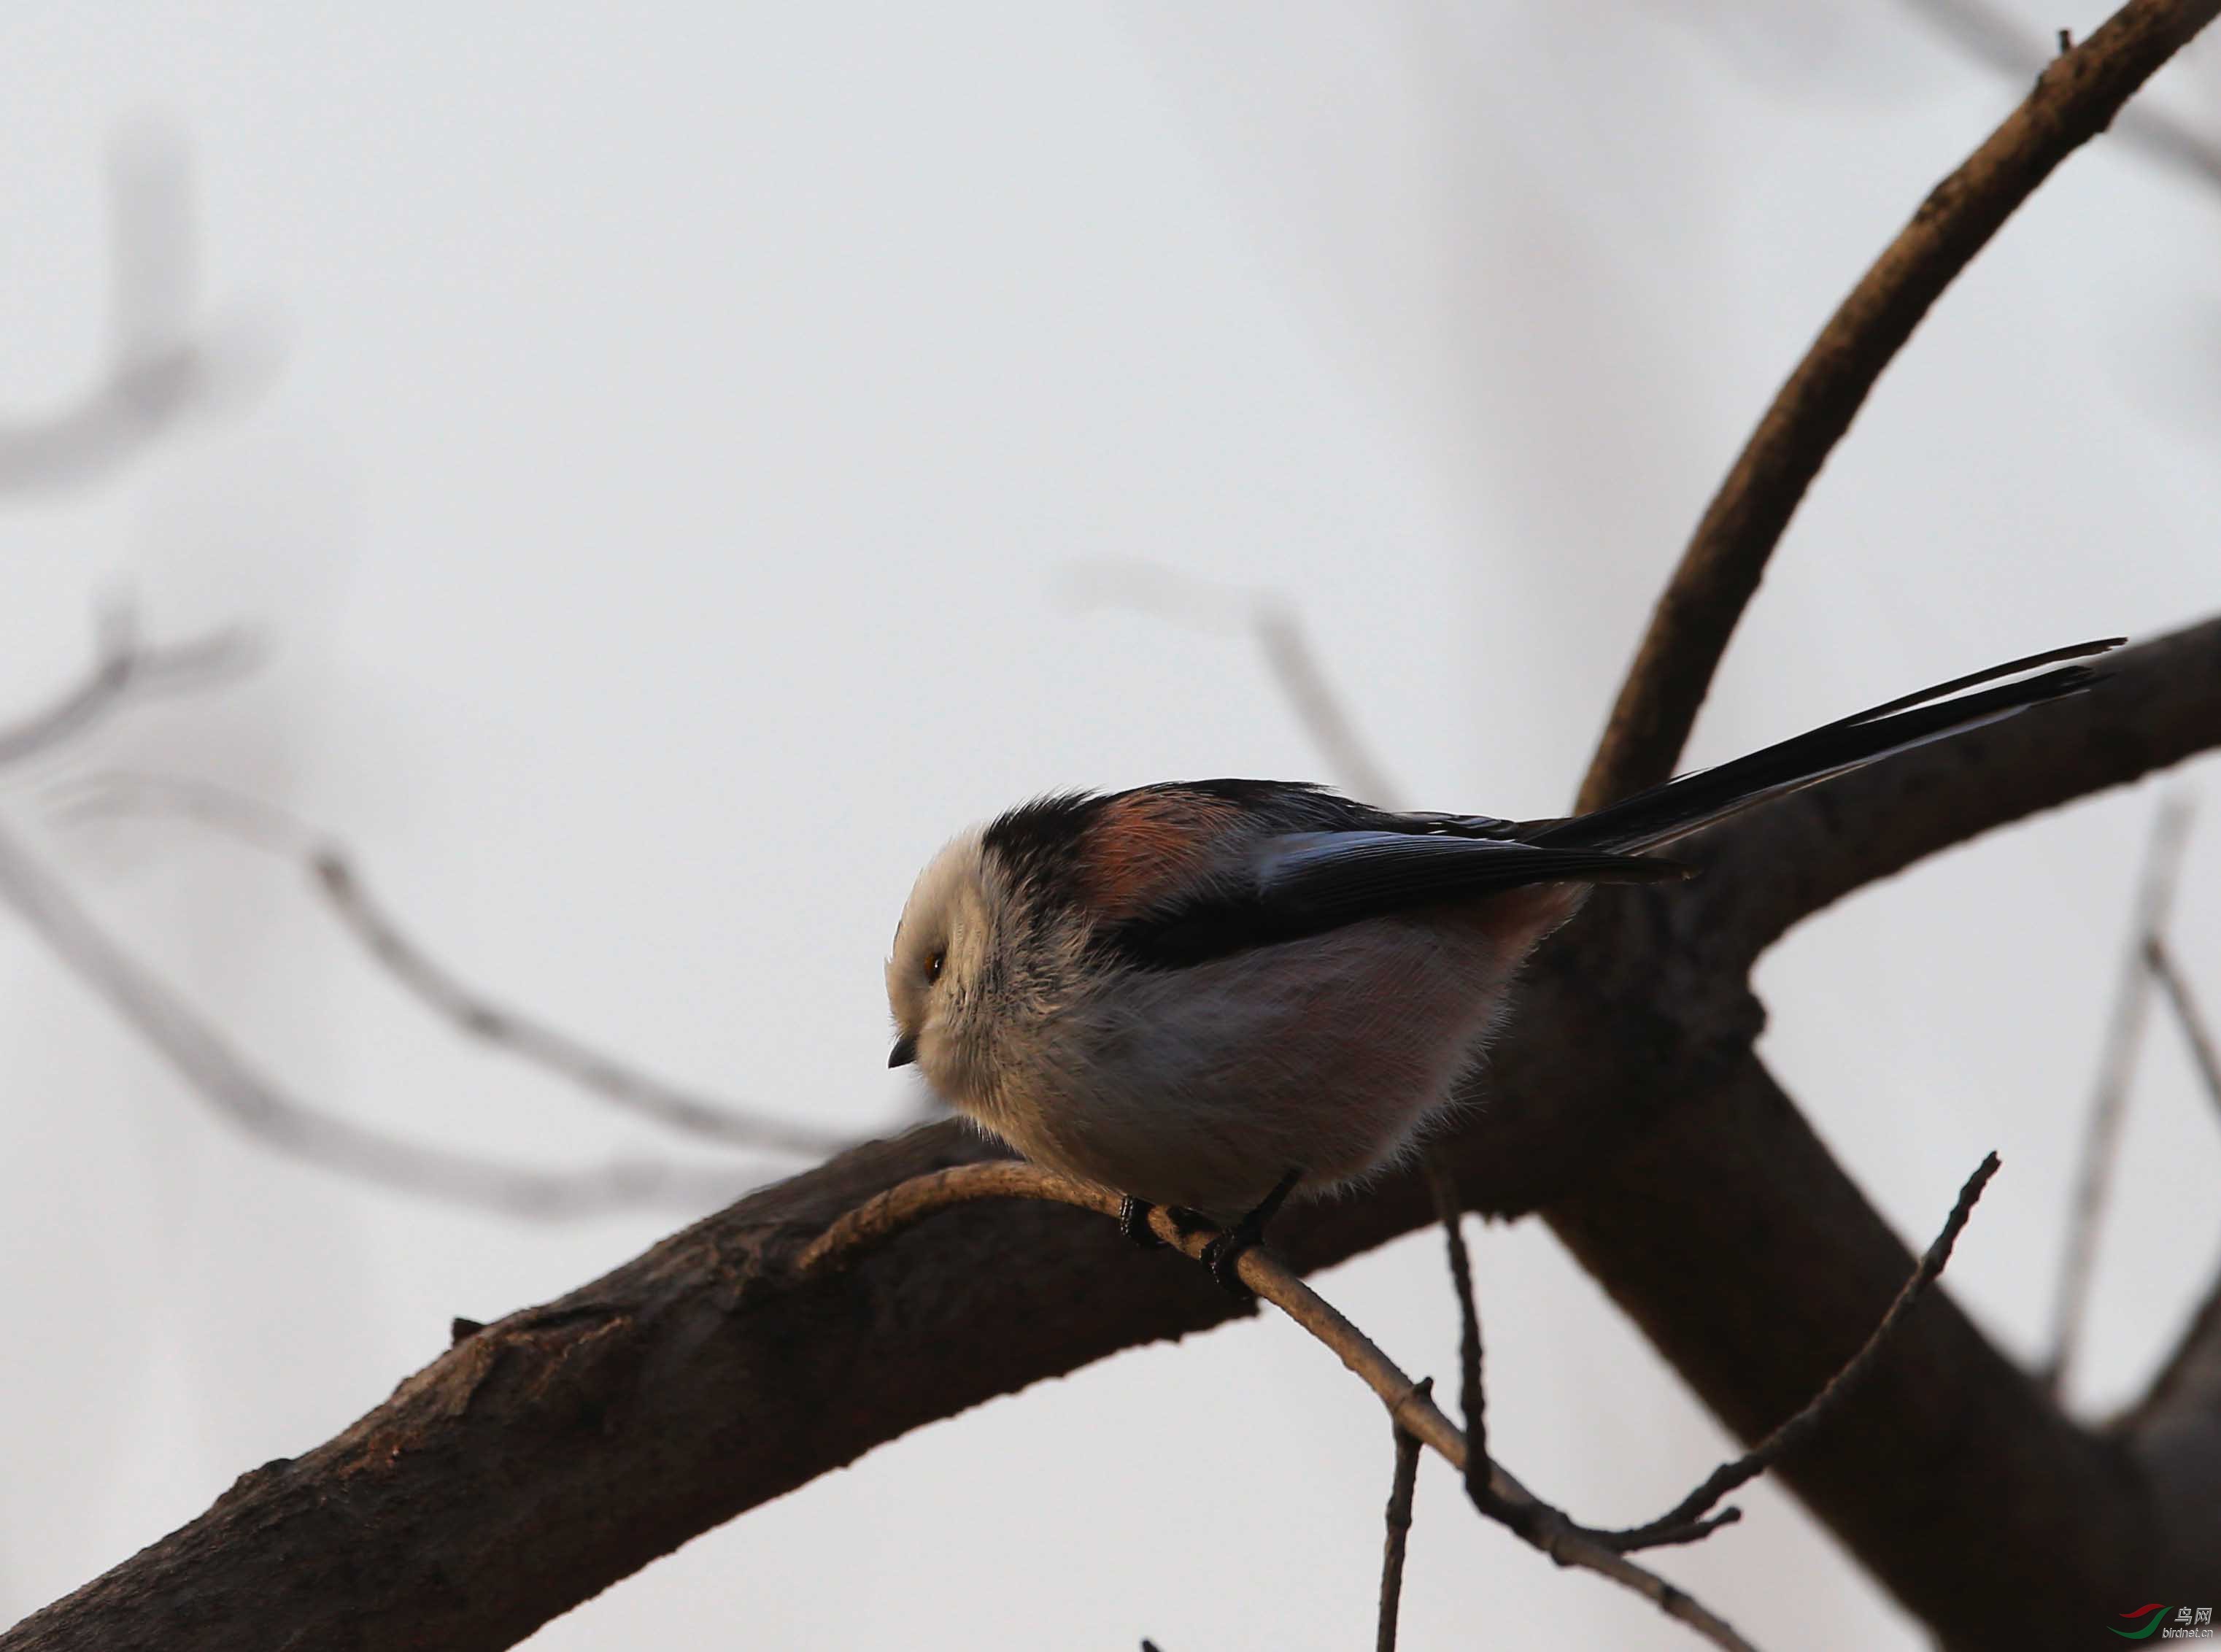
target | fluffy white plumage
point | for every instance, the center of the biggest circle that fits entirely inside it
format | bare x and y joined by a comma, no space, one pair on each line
1186,993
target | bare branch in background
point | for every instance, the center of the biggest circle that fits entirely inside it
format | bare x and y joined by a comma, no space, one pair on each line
1152,588
2203,1053
333,876
548,1454
1996,40
2188,1382
125,668
223,1076
2110,1096
164,362
2074,98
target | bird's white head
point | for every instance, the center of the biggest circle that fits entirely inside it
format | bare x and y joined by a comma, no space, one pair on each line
936,972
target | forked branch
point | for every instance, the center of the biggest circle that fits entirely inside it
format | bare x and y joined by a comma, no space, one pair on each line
125,668
2074,98
1411,1405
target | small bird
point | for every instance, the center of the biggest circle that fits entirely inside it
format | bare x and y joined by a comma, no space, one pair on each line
1210,994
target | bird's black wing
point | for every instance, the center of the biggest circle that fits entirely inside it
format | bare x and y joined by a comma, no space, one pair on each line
1307,884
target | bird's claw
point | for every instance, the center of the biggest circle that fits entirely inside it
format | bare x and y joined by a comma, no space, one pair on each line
1222,1256
1134,1223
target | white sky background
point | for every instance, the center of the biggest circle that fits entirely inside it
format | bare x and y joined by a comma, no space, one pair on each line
657,517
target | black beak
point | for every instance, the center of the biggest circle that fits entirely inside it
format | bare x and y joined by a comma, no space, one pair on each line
904,1052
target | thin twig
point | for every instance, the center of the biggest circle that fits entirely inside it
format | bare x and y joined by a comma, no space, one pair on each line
1694,1509
1400,1493
1411,1405
1471,1398
228,1082
333,876
1473,1401
2109,1099
2161,957
124,667
1995,39
2073,99
1267,617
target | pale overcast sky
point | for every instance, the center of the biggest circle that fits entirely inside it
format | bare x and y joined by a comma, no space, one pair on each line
681,426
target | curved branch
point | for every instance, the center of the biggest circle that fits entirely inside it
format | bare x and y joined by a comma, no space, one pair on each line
1999,41
164,362
1411,1405
2074,98
333,874
224,1078
552,1453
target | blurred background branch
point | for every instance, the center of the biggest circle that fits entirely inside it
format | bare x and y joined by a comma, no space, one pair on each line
167,360
124,667
1271,620
708,407
338,884
2116,1066
218,1073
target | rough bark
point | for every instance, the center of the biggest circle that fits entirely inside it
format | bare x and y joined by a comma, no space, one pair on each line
547,1457
554,1453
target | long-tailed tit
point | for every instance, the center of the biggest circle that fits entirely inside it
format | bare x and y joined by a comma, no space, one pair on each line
1204,994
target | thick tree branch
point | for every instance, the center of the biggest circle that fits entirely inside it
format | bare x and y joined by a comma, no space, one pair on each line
1788,1435
555,1452
549,1455
2074,98
2153,705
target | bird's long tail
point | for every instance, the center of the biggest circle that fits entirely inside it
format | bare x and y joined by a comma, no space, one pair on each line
1691,801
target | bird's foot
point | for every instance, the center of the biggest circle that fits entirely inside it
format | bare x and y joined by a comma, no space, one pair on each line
1222,1256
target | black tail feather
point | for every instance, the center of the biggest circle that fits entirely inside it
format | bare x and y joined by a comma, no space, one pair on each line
1689,802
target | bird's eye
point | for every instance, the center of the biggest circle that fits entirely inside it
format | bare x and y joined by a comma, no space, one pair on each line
932,966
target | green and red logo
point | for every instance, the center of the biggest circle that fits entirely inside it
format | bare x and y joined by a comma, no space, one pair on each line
2151,1626
2193,1623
